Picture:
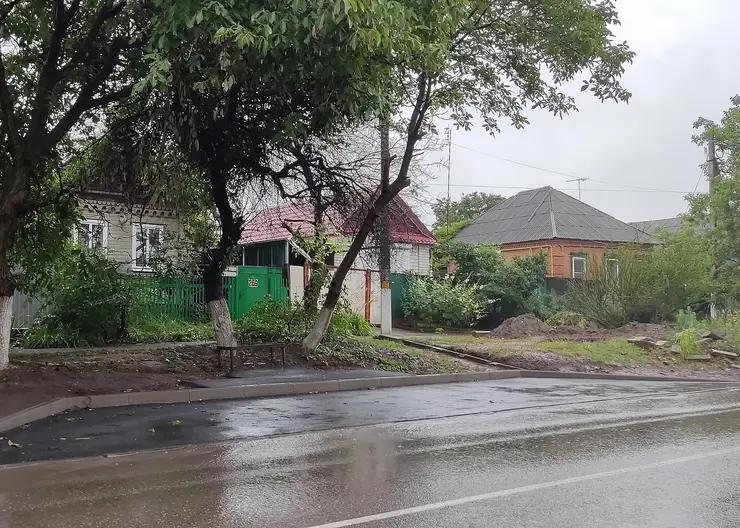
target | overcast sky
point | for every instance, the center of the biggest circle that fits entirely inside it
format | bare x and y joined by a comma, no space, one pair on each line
686,67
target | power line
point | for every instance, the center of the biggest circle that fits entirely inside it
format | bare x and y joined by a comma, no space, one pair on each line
475,186
535,167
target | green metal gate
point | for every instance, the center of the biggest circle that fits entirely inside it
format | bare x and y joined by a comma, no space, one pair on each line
254,283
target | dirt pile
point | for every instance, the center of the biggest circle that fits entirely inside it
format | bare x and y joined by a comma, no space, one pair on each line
526,325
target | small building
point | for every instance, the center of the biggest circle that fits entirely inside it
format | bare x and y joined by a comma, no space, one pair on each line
266,241
653,227
130,221
570,232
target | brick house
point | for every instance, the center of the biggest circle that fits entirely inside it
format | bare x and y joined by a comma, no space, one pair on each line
570,232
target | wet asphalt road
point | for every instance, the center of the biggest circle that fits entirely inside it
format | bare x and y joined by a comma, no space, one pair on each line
508,453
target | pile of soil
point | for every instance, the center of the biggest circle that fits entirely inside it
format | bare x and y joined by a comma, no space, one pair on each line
526,325
575,333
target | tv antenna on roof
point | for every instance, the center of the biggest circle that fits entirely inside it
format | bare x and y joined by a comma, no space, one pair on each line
579,180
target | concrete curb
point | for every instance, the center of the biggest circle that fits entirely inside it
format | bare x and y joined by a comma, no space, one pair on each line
60,405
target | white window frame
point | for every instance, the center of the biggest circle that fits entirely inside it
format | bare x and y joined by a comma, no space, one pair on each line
573,259
607,260
137,228
91,222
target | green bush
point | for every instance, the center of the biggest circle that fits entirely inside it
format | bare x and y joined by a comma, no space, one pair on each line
160,329
430,302
271,320
652,284
686,319
506,288
88,299
345,323
688,341
42,336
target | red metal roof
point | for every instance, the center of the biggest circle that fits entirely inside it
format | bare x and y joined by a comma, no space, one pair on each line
267,225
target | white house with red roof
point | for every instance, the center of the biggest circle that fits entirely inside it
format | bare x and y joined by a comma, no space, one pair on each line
267,242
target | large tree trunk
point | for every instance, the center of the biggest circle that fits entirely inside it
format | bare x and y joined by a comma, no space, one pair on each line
7,289
6,319
219,309
231,229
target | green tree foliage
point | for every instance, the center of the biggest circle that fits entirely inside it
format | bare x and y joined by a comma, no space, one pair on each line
62,63
506,287
259,84
717,215
467,208
446,233
497,59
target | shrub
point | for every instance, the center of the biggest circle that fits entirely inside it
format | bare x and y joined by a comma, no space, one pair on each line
346,323
42,336
88,299
686,319
449,303
652,284
542,304
271,320
506,288
688,341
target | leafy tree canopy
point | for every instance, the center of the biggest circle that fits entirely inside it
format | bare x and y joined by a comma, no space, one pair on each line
468,207
717,215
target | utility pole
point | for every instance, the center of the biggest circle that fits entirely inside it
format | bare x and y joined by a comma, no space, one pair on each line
386,304
712,174
449,168
579,180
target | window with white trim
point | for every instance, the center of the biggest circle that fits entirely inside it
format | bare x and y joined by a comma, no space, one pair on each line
92,234
147,241
611,268
578,265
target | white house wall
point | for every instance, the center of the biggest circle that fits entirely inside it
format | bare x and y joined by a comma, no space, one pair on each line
120,219
405,258
353,291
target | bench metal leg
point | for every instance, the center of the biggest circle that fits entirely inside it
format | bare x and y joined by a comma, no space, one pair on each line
231,360
283,351
218,355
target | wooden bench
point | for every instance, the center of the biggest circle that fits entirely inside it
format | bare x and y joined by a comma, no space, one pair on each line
276,346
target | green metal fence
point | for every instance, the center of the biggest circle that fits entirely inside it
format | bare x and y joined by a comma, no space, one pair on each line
176,298
185,299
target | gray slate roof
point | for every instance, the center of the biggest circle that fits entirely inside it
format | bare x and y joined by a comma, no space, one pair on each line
543,214
672,225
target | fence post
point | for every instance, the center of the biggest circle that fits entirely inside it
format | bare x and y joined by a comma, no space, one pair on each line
368,293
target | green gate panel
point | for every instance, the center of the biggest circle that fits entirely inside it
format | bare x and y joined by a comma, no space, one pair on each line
399,283
255,283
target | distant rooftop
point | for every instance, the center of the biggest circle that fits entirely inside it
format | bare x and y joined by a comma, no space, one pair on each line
651,227
546,213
